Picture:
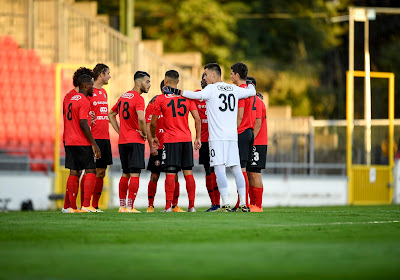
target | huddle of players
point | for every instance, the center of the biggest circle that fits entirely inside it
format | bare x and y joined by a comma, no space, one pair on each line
166,127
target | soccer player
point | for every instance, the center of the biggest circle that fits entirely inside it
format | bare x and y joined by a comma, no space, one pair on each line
154,165
177,151
80,147
222,103
80,71
246,119
132,135
259,157
100,128
204,153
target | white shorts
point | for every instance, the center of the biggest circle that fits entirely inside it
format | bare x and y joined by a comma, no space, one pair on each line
224,152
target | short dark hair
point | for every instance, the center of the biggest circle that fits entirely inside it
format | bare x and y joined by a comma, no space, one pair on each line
241,69
98,69
79,72
162,84
253,80
140,74
214,67
172,74
84,79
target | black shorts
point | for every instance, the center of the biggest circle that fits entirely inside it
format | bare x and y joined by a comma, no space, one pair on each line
132,157
79,157
204,154
245,142
154,164
259,159
106,155
178,154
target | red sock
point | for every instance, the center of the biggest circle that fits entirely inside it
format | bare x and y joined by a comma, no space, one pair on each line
169,189
191,189
133,189
82,188
217,195
90,183
247,188
72,189
123,190
67,203
97,192
258,194
210,188
251,194
176,194
151,192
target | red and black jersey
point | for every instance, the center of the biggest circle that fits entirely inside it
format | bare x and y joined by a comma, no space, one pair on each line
66,100
99,105
160,123
76,109
126,107
262,136
202,109
175,110
249,115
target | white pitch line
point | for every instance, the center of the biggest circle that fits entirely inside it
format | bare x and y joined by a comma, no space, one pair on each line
333,224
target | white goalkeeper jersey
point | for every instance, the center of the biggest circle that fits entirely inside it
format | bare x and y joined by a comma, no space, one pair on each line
222,103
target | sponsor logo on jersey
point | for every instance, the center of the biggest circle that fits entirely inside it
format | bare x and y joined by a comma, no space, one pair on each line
204,121
95,103
161,130
128,95
102,118
76,98
254,163
202,106
103,110
225,87
171,95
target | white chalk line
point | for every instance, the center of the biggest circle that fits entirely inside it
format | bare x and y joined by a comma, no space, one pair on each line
332,224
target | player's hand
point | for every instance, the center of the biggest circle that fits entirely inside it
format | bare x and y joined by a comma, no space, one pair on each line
171,90
144,136
250,82
96,151
153,151
197,144
156,143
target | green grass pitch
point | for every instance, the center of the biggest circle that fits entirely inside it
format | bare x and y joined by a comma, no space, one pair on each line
280,243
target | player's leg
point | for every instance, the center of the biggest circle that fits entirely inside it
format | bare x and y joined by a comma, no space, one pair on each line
175,207
154,166
222,182
204,159
169,163
217,195
82,188
135,165
90,183
124,151
187,166
255,175
73,164
245,141
101,167
133,188
241,187
251,188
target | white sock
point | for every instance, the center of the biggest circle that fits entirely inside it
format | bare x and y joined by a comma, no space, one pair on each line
240,183
222,182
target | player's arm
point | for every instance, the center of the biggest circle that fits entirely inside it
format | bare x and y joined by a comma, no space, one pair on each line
240,116
112,118
257,127
142,124
86,130
245,92
197,125
203,94
150,139
153,128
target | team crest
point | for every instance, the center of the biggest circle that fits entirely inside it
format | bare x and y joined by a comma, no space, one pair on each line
157,163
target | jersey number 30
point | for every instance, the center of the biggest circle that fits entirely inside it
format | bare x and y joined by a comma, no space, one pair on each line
228,102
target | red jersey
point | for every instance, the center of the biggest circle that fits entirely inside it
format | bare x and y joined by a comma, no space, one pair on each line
67,98
249,115
202,109
76,109
127,106
160,123
99,105
175,110
262,136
